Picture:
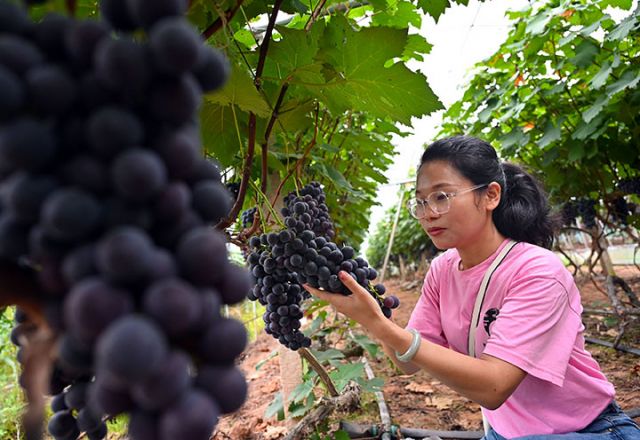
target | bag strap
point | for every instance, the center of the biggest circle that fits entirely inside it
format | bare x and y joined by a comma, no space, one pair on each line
475,317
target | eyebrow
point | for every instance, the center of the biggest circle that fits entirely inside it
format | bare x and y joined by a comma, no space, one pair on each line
435,187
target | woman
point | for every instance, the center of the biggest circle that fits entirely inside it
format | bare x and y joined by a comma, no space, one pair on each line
532,375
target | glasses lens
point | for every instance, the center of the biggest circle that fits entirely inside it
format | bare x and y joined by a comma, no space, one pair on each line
439,202
415,208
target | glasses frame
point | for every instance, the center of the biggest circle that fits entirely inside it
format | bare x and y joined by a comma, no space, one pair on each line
413,203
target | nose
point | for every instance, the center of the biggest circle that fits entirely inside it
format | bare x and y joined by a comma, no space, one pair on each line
430,214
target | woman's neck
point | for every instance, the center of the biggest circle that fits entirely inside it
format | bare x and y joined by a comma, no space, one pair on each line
475,253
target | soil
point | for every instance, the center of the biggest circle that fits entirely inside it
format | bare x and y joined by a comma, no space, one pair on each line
419,401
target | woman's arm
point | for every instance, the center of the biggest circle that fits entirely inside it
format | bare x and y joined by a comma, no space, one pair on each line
487,380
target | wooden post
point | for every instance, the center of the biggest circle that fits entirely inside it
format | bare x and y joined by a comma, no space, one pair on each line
403,268
393,233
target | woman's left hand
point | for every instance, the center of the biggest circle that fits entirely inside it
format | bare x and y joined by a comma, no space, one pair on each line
360,306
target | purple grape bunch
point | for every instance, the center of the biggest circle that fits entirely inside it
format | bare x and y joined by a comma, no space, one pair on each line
106,195
303,253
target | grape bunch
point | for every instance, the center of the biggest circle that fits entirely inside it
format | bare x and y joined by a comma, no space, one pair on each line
246,218
317,219
630,185
587,210
104,191
283,261
569,212
620,210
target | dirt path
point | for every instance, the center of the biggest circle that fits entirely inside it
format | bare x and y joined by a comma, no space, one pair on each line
419,401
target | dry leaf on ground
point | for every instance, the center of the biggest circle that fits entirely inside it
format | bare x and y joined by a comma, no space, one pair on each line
440,402
419,388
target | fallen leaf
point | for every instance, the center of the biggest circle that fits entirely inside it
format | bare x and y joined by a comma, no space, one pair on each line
419,388
440,402
612,332
275,432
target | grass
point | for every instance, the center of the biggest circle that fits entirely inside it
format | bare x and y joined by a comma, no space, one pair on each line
12,398
250,314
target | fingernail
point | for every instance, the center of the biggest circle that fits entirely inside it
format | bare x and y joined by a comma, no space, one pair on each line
342,274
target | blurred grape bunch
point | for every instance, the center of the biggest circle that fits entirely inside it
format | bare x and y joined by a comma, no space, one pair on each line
105,193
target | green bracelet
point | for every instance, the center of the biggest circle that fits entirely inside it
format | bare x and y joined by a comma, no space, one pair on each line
413,348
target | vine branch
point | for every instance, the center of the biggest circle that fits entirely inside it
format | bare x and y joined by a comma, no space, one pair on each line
71,7
318,368
246,172
220,21
297,165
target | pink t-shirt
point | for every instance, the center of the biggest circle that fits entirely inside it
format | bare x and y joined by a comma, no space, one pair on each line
531,319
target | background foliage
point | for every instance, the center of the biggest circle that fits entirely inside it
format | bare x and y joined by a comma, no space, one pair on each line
561,96
410,242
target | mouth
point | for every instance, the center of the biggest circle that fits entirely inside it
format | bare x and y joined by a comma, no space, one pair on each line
435,231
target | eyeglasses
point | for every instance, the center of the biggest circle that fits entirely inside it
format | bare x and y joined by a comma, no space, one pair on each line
438,201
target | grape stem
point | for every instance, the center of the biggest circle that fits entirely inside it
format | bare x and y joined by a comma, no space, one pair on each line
71,7
314,15
298,163
269,205
267,135
318,368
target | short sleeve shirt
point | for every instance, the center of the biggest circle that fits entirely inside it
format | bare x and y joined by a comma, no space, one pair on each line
530,318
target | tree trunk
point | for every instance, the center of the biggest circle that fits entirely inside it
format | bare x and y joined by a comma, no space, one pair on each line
605,258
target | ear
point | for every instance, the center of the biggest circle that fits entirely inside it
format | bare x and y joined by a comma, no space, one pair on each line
493,195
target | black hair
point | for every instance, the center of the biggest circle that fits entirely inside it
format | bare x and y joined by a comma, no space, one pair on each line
523,213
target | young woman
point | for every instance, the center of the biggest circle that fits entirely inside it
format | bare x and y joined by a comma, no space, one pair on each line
531,373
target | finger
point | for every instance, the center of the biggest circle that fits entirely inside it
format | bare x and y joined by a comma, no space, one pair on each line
316,292
350,283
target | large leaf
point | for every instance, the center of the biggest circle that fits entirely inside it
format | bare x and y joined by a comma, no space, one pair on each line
552,133
538,24
221,131
345,373
402,15
359,80
241,92
434,8
585,54
596,108
294,56
622,30
628,80
600,78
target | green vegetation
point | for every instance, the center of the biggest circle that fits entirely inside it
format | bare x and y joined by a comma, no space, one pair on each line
12,396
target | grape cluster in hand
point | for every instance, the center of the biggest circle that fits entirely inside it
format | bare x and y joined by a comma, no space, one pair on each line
304,254
105,192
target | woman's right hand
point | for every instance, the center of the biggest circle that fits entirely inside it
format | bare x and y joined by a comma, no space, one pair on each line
359,306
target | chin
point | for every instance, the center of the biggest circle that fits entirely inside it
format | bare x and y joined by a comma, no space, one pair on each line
442,245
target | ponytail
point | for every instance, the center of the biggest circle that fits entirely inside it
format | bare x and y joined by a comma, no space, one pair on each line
523,213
